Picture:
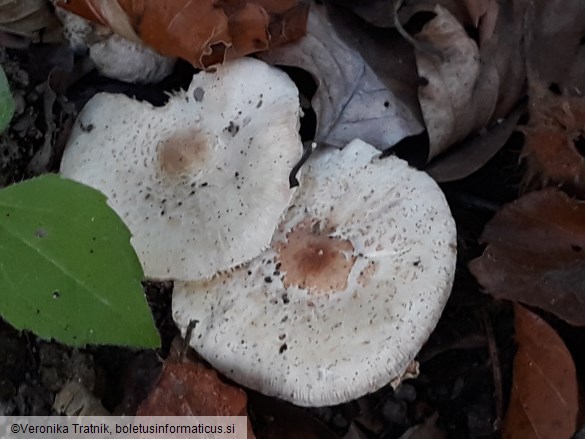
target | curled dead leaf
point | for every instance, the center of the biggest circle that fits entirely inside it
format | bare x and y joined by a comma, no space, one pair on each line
475,152
352,100
205,32
476,85
536,254
544,399
459,96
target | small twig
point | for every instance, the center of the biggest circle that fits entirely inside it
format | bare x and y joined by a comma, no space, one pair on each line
188,335
307,151
496,369
418,45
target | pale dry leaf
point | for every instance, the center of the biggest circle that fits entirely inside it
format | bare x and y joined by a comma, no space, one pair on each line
544,398
460,95
351,101
486,97
385,51
501,36
536,254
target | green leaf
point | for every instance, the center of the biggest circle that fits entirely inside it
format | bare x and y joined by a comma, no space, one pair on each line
6,102
67,269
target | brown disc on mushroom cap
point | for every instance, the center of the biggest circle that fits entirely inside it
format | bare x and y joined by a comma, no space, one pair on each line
352,285
202,182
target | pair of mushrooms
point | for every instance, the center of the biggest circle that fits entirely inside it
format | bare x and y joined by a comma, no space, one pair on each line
316,295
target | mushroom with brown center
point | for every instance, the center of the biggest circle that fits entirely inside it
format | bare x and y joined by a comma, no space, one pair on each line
352,285
202,182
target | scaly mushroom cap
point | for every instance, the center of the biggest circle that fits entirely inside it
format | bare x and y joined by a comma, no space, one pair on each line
202,182
351,287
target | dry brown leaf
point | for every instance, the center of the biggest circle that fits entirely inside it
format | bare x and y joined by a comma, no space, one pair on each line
536,254
191,389
554,140
205,32
544,401
352,99
187,388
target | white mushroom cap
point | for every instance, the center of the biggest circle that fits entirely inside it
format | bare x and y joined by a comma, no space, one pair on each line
202,182
354,282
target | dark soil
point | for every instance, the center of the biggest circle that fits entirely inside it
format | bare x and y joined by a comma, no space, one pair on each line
465,367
